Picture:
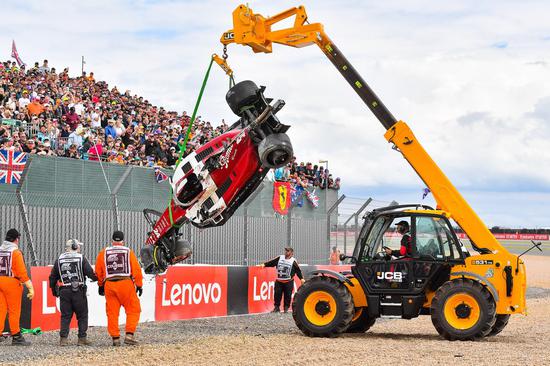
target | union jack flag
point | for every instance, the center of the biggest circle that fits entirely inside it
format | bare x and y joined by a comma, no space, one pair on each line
15,54
12,164
160,176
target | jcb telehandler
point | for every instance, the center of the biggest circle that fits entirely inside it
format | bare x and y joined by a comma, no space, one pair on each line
468,296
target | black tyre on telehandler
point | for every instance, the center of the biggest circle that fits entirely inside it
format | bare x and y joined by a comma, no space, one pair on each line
500,323
322,307
361,321
463,310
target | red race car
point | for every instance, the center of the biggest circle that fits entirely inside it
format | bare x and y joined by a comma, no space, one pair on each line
213,181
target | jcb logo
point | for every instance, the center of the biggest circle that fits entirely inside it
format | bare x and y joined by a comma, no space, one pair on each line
390,276
228,36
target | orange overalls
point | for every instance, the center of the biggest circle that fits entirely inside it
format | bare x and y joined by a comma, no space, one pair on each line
117,268
12,274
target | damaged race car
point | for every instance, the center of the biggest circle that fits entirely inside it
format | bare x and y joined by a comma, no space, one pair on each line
212,182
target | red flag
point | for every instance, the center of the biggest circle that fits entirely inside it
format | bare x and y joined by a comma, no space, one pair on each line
281,197
15,54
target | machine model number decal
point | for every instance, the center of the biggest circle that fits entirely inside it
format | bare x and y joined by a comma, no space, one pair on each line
482,262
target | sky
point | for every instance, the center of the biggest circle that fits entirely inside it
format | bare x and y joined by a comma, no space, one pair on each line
470,78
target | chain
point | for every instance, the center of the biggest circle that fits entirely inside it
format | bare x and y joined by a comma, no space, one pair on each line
225,52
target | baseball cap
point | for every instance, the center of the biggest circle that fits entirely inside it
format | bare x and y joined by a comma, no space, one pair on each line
118,236
12,235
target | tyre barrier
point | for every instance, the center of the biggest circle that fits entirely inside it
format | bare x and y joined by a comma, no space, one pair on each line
183,292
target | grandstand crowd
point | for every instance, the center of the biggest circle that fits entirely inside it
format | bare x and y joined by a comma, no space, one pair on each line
46,112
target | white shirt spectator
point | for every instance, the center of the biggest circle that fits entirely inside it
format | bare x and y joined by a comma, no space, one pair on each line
96,119
75,138
24,102
119,129
11,104
78,108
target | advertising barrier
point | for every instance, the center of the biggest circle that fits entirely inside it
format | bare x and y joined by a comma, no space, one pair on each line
183,292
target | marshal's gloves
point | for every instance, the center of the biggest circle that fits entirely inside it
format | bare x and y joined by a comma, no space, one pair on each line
139,291
101,291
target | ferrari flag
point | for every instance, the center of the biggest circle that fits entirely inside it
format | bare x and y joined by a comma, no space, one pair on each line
281,197
12,165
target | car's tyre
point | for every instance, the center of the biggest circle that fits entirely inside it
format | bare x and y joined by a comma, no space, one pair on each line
463,310
182,250
275,151
500,323
241,95
322,307
361,321
153,259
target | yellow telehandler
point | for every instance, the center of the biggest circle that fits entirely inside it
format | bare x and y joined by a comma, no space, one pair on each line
425,271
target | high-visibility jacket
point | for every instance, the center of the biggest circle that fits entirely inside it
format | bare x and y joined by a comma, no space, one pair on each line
118,261
12,263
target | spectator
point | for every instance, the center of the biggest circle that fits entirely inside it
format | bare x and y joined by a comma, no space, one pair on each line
110,129
72,118
335,256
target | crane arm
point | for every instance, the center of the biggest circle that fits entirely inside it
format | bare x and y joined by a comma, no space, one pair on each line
254,30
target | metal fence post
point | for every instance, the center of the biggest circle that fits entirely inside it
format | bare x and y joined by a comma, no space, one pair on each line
188,229
24,214
358,213
114,197
247,203
329,212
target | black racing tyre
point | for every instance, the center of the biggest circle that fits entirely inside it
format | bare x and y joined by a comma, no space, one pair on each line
500,323
275,150
322,307
182,249
361,321
242,94
463,310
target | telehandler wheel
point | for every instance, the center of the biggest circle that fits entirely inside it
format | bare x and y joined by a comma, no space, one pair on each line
463,310
361,321
500,324
322,307
241,95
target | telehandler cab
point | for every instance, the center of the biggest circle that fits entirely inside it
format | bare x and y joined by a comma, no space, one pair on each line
468,296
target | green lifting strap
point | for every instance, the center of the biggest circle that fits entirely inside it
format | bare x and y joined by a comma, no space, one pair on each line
183,146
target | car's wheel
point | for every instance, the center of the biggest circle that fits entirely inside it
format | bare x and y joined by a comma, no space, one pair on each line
361,321
241,95
153,259
322,307
182,250
275,150
500,323
463,310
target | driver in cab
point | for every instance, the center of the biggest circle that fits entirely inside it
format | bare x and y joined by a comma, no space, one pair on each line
406,242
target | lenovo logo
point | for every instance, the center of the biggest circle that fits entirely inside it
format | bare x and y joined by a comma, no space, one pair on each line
187,294
263,291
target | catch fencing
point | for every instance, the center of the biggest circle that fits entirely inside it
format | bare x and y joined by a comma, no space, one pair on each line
61,198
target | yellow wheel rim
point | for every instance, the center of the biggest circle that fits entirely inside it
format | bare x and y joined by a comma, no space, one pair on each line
358,312
320,308
462,311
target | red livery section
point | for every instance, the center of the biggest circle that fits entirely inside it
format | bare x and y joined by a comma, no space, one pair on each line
191,292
